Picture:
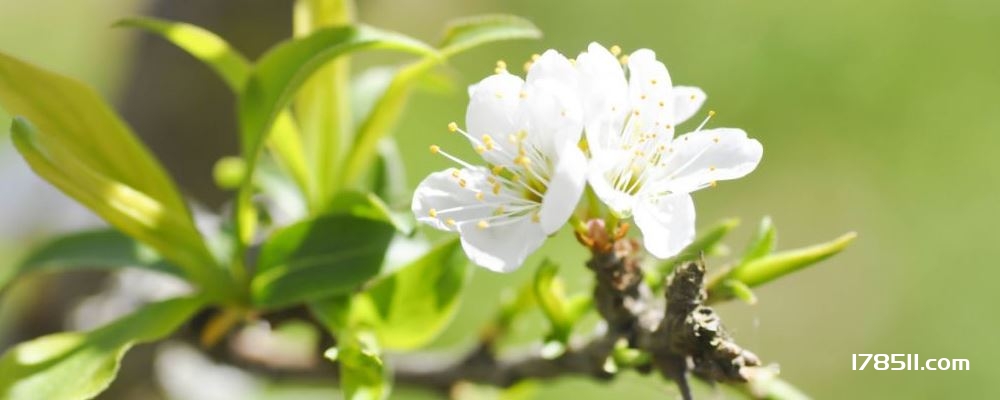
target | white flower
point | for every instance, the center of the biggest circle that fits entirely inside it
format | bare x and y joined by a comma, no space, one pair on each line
528,132
637,167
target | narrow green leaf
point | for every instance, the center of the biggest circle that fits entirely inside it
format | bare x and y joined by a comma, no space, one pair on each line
551,297
762,243
76,142
769,268
202,44
278,76
319,257
363,374
470,32
234,69
133,212
323,105
703,243
73,116
102,248
739,290
71,366
408,308
462,35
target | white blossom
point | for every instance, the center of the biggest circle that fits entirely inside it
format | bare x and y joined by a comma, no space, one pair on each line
527,132
638,168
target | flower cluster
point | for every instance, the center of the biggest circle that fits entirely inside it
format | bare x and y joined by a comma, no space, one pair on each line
600,120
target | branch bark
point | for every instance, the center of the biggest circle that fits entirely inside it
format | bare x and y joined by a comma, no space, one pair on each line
681,334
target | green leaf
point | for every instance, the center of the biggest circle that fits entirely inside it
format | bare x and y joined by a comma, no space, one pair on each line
319,257
102,248
763,241
202,44
131,211
76,142
702,244
72,365
369,205
766,269
550,294
771,267
363,374
739,290
278,76
410,307
462,35
467,33
234,69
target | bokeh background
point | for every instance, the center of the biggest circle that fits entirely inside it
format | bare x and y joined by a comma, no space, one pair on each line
876,117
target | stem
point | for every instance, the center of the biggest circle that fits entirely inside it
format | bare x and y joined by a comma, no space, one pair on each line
323,105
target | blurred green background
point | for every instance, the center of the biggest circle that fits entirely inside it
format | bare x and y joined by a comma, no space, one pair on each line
877,117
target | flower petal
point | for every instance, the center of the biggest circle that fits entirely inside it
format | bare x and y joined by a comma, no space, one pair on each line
440,198
604,91
553,67
650,94
600,174
492,105
700,158
564,191
502,248
687,101
667,223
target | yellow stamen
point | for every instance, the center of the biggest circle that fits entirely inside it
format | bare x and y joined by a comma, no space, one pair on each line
435,149
483,224
480,196
615,50
452,127
433,213
450,222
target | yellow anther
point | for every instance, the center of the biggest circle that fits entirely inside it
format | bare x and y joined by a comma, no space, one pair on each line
435,149
487,139
433,213
450,222
668,126
652,81
693,97
527,65
636,113
535,57
480,196
711,113
482,224
454,173
536,218
496,188
522,161
623,59
522,134
489,146
715,139
453,127
572,61
462,183
501,65
711,168
713,184
615,50
499,211
523,94
662,103
642,97
480,149
497,169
